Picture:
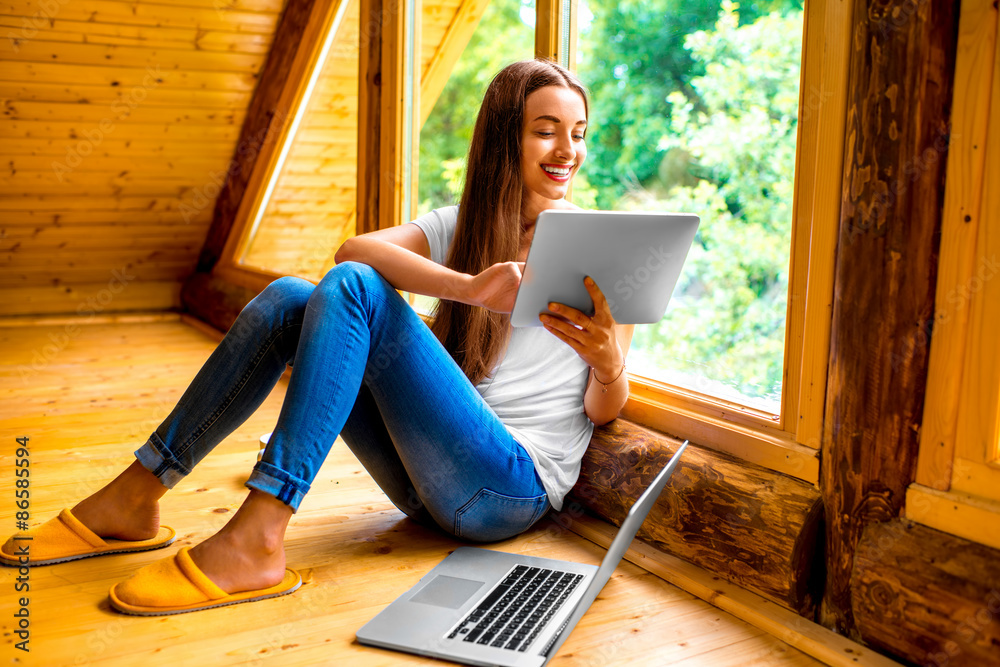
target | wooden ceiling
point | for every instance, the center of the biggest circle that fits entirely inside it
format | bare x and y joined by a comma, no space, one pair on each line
120,122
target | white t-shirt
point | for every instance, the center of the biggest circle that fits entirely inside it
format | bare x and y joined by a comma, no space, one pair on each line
536,390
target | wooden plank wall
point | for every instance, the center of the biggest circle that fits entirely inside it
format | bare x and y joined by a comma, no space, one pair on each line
120,121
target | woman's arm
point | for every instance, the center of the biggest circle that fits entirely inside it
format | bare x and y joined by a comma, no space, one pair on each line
402,256
603,406
602,344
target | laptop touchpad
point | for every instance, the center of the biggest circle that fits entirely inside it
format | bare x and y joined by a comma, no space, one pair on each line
445,591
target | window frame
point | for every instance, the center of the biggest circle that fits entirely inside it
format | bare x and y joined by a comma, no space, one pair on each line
957,487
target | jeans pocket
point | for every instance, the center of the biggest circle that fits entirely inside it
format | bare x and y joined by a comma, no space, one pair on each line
492,516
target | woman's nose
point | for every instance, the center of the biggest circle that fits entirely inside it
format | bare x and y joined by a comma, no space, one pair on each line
564,147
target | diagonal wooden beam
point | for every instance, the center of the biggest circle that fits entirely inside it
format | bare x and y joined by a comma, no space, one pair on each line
257,127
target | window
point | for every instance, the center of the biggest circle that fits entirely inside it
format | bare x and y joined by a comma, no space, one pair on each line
696,111
307,193
958,472
719,109
669,87
661,74
447,128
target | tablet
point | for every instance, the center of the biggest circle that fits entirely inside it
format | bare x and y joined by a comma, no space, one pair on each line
634,257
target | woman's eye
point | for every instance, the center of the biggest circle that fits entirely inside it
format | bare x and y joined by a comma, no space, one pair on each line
545,134
579,137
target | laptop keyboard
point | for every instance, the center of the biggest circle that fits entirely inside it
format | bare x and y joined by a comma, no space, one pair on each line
514,612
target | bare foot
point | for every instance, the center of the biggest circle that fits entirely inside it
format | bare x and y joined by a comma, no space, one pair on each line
235,567
126,509
248,553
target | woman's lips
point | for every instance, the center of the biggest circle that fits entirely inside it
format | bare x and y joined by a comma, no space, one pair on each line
559,178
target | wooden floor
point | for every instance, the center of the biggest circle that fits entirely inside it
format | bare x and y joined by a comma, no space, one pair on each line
87,396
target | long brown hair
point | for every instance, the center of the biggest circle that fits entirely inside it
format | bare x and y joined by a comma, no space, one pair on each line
489,213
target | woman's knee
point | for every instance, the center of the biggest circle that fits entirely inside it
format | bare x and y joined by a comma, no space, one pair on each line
284,297
354,278
357,272
277,309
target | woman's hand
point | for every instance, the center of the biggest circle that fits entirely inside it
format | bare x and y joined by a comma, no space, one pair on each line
593,338
496,287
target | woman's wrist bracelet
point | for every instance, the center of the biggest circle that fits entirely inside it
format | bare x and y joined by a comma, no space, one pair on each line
605,390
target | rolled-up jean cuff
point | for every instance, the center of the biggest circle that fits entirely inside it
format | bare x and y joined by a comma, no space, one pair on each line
157,459
278,483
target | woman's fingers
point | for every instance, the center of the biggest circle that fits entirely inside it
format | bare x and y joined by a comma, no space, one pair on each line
563,324
509,278
593,338
602,312
496,287
564,331
570,320
601,307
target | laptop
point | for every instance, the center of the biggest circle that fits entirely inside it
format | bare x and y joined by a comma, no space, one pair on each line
484,607
634,257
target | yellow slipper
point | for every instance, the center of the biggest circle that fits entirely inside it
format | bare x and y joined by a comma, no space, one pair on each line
176,585
64,538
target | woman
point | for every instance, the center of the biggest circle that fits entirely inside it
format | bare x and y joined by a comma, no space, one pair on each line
472,426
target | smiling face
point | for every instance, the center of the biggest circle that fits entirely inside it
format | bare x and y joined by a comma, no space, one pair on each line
553,146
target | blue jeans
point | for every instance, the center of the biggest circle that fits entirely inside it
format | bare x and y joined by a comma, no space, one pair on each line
366,367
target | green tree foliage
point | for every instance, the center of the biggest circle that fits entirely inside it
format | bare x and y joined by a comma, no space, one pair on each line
730,157
632,56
